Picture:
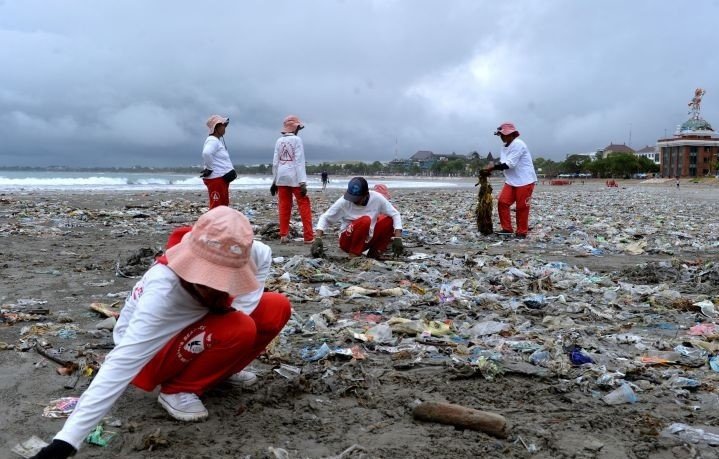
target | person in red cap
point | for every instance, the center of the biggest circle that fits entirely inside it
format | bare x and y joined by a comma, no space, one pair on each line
218,170
368,221
289,178
197,317
515,161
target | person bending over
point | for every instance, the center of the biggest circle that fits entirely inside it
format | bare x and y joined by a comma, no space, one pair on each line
515,161
180,328
368,221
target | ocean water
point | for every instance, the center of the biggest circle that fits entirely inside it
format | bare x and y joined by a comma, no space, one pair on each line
14,181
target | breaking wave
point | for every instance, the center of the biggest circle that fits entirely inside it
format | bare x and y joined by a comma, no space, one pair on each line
112,181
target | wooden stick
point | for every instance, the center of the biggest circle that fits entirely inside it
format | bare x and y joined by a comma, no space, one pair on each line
457,415
71,366
104,310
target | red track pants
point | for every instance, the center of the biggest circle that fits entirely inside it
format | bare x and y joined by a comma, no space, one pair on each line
522,195
353,238
219,191
284,204
215,347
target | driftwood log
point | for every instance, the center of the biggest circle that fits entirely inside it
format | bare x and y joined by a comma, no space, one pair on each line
484,206
460,416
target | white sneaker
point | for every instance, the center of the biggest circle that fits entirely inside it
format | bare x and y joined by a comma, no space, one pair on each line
244,378
184,406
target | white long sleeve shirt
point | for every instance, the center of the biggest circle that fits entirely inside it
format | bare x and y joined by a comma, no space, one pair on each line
288,163
519,159
156,310
215,157
345,212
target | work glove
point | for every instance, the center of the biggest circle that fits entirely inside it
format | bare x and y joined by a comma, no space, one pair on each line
303,189
318,248
397,247
205,173
58,449
273,189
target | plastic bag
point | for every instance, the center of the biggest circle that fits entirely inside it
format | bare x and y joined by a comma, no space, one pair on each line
620,395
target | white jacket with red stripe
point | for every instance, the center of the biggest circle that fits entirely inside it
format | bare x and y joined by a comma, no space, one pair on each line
288,163
156,310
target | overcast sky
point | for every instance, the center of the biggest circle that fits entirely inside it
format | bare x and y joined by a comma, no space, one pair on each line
115,83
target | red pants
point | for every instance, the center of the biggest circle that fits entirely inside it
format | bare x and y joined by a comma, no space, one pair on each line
353,238
522,195
215,347
219,191
284,204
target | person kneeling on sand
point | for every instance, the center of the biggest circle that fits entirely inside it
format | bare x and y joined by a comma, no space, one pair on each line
368,221
181,330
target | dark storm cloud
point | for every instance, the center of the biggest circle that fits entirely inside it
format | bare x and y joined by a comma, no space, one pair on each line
120,83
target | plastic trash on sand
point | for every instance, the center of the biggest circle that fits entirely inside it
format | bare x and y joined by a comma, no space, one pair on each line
60,408
703,434
99,436
577,357
703,330
325,292
706,307
489,327
380,333
29,447
449,292
288,371
620,395
313,355
413,327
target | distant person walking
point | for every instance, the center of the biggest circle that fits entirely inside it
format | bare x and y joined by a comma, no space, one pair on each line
289,178
516,162
218,171
325,180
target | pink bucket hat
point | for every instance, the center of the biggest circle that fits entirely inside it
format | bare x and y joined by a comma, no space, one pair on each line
214,120
291,123
506,129
217,253
381,188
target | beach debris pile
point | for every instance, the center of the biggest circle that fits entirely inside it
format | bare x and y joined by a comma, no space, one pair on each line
470,308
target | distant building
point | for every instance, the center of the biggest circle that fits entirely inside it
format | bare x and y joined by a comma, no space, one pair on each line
422,155
693,150
649,152
399,164
613,148
451,157
425,159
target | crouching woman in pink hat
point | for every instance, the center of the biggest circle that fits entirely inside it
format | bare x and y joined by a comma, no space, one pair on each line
181,330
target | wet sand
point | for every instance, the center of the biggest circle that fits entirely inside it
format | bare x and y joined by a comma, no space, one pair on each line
64,249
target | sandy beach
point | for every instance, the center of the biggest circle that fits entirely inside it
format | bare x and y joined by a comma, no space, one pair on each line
614,272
